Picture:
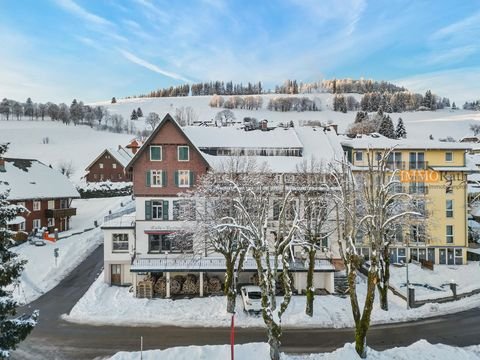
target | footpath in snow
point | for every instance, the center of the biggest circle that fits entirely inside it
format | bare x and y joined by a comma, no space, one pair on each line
41,274
110,305
421,350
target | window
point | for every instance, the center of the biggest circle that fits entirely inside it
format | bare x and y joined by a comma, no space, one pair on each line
397,233
155,153
449,208
289,211
114,166
417,233
417,188
63,204
184,178
449,234
119,176
448,184
183,153
100,165
458,256
101,177
156,178
419,206
394,160
21,203
94,176
36,224
51,222
378,156
359,237
120,242
160,242
37,205
358,156
51,204
21,226
417,160
157,210
184,210
449,156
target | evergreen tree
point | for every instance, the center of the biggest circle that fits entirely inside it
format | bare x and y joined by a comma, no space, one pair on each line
386,128
12,330
114,101
28,110
400,131
5,108
134,115
140,113
454,106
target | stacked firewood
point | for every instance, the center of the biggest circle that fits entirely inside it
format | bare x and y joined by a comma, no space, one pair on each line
214,285
160,287
190,285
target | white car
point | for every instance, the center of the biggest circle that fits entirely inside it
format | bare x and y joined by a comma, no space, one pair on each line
252,298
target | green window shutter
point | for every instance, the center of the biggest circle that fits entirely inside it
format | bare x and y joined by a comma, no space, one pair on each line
148,210
176,177
164,178
147,178
165,210
192,178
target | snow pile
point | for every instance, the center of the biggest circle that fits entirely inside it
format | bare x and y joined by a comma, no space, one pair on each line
110,305
421,350
104,189
40,274
435,284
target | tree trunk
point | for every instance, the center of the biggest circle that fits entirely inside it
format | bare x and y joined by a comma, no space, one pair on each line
382,286
229,291
310,290
361,326
274,348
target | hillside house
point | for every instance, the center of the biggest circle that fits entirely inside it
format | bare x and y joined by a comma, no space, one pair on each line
46,193
170,162
110,165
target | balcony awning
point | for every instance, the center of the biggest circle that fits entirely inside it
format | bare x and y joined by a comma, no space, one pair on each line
166,264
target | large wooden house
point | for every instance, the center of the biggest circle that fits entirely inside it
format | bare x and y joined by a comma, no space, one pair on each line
110,165
43,191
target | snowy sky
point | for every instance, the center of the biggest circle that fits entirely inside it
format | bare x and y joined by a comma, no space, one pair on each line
60,49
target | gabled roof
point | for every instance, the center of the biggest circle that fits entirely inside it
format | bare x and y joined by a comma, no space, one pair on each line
31,179
167,118
121,155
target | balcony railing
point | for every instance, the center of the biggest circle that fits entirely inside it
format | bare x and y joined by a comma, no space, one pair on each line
60,213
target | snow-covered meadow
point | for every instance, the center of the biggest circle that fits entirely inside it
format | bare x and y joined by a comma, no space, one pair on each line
421,350
40,274
110,305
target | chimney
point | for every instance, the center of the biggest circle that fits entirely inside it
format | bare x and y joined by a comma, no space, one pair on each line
2,165
119,147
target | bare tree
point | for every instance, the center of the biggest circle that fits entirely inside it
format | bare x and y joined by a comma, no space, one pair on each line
66,168
153,120
225,117
185,115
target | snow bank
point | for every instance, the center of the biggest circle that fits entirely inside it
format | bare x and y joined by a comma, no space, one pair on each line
421,350
110,305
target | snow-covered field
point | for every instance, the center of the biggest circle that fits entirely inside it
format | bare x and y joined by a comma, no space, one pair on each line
78,144
40,274
421,350
103,304
436,284
419,125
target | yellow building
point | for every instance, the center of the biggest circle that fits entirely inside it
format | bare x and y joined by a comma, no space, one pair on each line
435,173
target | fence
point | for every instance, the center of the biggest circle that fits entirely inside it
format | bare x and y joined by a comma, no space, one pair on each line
118,214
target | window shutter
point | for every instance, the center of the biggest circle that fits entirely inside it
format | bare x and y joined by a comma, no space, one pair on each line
165,210
192,178
164,178
176,177
147,178
148,210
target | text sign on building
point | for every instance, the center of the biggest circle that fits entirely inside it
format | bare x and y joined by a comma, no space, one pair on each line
425,176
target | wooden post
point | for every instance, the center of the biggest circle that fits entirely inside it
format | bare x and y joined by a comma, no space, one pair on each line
168,285
201,284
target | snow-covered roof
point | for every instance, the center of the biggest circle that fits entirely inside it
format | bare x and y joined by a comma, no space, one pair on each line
377,141
31,179
236,137
16,220
122,155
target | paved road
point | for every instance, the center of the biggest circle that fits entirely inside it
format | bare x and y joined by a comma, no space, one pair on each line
55,339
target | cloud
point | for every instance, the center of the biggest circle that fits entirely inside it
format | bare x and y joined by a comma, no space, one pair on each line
136,60
460,85
460,28
80,12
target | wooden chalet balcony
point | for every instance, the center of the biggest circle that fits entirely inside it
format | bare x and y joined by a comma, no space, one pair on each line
60,213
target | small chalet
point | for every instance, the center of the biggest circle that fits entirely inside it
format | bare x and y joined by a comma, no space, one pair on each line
110,164
43,191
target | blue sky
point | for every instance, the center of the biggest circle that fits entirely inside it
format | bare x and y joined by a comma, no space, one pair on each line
92,50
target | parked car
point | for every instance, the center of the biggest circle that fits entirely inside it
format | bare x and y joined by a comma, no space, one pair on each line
252,299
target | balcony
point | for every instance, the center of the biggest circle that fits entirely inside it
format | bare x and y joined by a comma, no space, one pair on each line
60,213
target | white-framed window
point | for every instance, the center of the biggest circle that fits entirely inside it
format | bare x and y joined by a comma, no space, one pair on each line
183,153
157,210
37,205
449,234
417,233
51,222
100,165
36,223
449,156
101,177
183,178
51,204
417,160
114,166
156,178
155,153
358,156
21,203
21,226
119,242
449,208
